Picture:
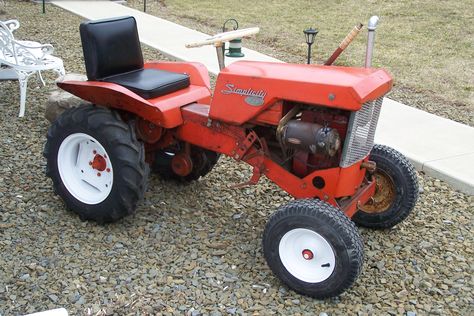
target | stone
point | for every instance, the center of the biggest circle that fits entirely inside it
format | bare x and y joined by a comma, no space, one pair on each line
53,297
60,100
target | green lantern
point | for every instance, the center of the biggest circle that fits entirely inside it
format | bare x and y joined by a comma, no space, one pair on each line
235,48
235,45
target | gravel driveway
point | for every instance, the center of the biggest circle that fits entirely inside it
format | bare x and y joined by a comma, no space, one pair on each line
196,249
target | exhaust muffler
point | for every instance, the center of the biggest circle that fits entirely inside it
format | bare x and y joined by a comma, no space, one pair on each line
370,40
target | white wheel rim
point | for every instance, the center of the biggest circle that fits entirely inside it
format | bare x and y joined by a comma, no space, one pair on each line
307,255
85,168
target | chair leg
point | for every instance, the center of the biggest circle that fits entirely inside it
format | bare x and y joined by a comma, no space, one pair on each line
41,78
23,80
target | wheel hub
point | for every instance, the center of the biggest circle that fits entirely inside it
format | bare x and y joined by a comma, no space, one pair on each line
297,250
307,254
385,194
99,163
85,168
182,164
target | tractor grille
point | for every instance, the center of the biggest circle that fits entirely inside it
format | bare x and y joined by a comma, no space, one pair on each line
361,132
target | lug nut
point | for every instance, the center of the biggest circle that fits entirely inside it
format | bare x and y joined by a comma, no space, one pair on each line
98,174
108,169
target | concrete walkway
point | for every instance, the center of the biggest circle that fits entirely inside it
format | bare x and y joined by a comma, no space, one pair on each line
437,146
440,147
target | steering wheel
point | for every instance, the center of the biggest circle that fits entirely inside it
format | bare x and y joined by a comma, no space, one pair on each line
219,39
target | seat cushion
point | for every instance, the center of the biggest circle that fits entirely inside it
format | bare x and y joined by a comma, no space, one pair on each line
150,83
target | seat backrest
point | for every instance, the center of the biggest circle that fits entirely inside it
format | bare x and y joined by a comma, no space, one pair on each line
111,47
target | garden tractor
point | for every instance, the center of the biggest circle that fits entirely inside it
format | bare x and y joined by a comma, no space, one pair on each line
308,128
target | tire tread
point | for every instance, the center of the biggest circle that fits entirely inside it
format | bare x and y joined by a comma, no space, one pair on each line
333,217
103,121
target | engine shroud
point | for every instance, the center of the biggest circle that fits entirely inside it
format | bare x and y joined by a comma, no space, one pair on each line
245,89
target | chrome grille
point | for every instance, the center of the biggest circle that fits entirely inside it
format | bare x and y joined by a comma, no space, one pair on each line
361,132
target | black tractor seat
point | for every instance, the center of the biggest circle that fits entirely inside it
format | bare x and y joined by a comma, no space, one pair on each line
150,83
112,53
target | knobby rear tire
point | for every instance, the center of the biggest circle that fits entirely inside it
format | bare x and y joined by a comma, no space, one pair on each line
126,153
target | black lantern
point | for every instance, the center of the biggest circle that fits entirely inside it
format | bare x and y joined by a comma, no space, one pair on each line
310,34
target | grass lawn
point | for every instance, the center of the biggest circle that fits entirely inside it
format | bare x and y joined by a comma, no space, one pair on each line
428,46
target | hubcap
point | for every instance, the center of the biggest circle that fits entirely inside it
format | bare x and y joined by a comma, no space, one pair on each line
307,255
385,193
85,168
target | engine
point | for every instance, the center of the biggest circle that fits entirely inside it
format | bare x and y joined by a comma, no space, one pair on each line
311,137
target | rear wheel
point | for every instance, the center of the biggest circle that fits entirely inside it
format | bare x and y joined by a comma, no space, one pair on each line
313,247
202,161
96,163
396,190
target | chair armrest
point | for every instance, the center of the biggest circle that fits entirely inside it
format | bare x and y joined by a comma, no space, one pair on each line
46,49
12,24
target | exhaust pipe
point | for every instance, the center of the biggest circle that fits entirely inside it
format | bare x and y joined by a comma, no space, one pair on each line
370,40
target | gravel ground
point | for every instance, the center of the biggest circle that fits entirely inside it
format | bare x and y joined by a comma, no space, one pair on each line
196,249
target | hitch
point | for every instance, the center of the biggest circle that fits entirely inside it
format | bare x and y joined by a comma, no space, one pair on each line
254,158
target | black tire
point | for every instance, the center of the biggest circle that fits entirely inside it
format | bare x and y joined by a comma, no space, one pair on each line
203,162
334,227
126,153
394,202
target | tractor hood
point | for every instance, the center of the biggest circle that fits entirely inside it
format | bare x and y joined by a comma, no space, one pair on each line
334,86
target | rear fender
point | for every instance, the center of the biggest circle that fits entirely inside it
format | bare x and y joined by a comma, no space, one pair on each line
114,96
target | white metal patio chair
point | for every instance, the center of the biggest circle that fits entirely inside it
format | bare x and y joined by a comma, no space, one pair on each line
19,60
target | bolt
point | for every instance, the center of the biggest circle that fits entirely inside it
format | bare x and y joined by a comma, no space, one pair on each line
94,151
108,169
90,163
98,174
105,156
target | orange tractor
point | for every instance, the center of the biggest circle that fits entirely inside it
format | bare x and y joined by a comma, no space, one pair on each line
308,128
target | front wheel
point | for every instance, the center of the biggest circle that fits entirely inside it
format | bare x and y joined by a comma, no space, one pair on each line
313,248
396,190
96,163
